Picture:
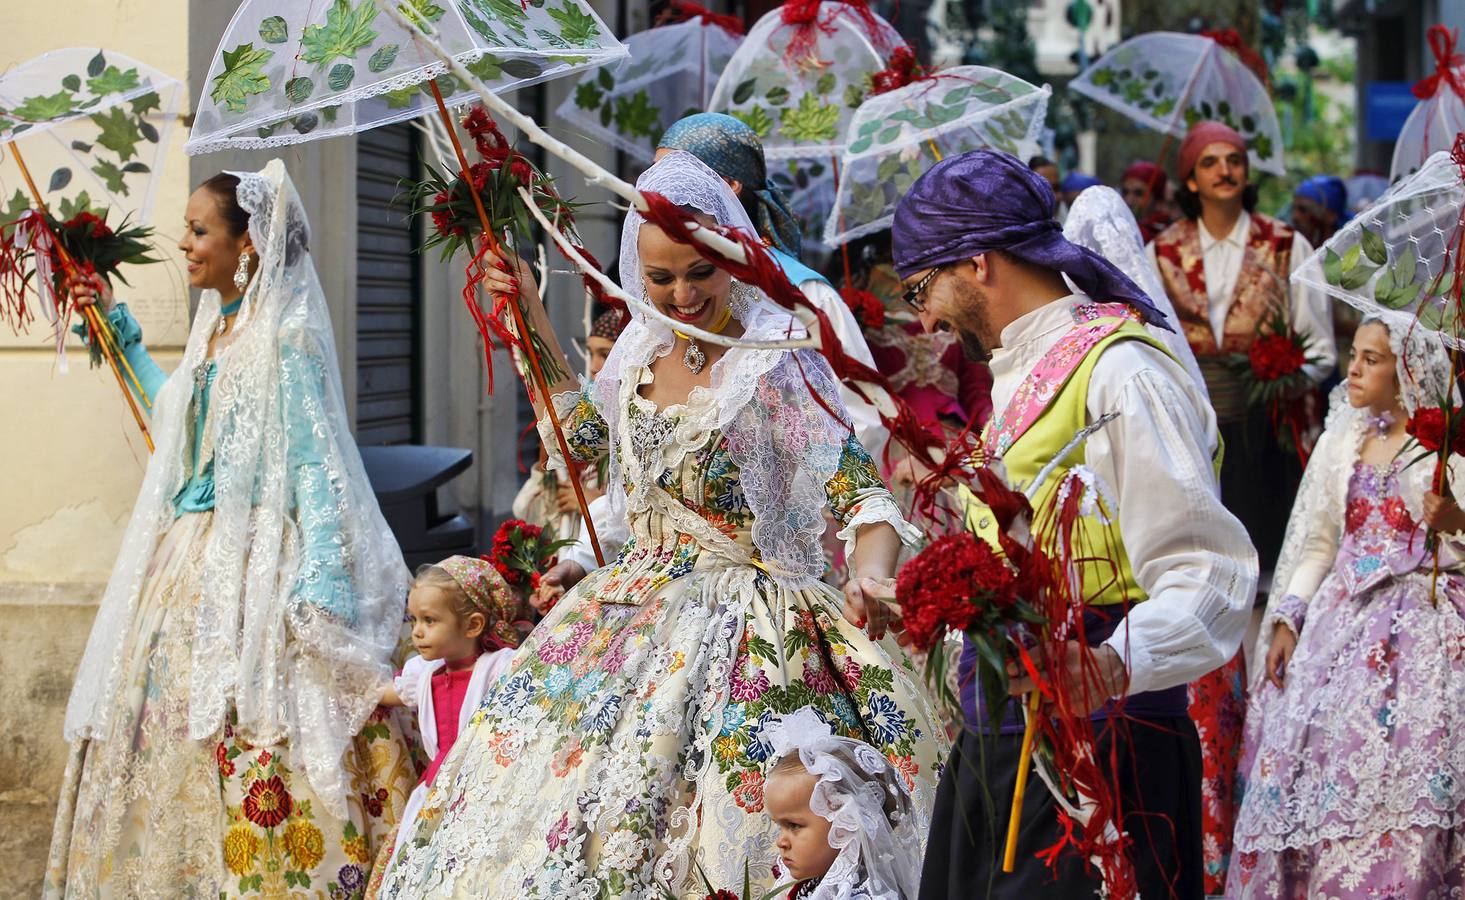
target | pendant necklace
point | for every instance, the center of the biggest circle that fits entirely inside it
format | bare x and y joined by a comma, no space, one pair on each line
694,359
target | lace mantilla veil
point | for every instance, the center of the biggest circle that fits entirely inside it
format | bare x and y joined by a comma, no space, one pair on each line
873,822
292,670
1423,371
786,446
1101,221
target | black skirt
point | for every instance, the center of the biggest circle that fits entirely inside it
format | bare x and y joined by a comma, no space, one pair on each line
1160,785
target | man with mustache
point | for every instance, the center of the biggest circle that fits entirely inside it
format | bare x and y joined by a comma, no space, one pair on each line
1065,331
1226,268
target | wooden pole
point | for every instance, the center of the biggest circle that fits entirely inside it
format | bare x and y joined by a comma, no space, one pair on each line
1024,764
531,356
100,333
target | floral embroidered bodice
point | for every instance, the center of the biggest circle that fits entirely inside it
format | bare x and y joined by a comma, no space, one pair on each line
1380,536
684,497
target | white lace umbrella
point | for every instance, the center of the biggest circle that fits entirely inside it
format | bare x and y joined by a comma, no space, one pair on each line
895,137
1169,82
809,186
670,73
798,85
1396,259
287,72
92,126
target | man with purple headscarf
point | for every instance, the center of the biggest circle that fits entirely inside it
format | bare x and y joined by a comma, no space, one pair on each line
980,254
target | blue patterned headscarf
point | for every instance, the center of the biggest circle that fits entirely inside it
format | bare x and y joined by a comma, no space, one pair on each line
1330,191
732,149
988,200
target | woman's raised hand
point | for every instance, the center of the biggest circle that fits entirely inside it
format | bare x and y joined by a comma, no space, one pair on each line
89,289
508,274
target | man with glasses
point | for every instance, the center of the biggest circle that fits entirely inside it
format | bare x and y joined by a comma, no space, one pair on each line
1064,330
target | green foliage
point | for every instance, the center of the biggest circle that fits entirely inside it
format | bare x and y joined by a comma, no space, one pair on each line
243,76
118,132
113,81
577,27
273,30
1317,131
112,176
43,108
756,118
812,121
509,12
635,115
421,13
588,95
347,29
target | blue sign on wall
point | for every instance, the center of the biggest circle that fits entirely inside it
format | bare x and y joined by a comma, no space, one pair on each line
1386,105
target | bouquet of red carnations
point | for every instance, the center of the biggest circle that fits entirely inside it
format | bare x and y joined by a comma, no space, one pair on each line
865,306
1272,375
522,552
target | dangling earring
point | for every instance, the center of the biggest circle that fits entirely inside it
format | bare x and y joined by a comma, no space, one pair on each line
241,274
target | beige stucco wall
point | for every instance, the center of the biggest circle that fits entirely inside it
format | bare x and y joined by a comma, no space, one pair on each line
71,456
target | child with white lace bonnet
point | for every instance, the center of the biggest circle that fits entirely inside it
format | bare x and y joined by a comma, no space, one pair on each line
846,823
463,618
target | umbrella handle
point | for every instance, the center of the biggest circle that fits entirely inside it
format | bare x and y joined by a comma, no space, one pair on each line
531,355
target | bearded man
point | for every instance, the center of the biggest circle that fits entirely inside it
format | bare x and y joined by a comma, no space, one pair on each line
1065,334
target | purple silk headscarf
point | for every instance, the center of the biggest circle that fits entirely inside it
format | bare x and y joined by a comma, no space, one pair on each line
989,200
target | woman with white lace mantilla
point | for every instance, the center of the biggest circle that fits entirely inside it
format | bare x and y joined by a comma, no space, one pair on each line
623,754
224,726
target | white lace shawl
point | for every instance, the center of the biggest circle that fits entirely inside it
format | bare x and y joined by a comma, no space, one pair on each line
1101,221
785,444
298,660
1316,524
873,822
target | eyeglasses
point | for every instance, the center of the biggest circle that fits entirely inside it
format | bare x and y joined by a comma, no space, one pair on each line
913,296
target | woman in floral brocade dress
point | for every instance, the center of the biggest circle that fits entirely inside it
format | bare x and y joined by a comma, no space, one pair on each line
1354,763
625,748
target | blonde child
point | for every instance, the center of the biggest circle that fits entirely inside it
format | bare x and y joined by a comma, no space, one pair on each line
462,616
846,825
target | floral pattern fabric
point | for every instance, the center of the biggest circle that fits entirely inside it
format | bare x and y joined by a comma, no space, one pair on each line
1218,708
1354,773
628,739
148,812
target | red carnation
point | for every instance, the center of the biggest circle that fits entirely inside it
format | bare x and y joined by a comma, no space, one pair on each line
1275,356
520,170
268,803
1427,426
722,894
865,306
950,585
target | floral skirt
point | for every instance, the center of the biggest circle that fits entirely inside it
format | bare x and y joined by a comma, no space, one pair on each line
148,812
623,754
1218,708
1354,773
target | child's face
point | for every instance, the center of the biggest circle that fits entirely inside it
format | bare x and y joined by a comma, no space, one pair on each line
803,835
437,632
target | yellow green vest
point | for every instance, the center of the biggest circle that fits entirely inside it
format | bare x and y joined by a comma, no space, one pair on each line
1107,577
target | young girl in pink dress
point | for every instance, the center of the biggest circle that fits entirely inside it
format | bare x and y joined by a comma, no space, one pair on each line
462,616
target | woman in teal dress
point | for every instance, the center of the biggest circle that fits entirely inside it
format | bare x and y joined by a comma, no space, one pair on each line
223,726
624,750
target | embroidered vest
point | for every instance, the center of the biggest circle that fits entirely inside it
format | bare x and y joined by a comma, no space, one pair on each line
1046,411
1261,289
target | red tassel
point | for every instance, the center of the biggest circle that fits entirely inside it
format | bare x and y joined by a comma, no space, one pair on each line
1447,64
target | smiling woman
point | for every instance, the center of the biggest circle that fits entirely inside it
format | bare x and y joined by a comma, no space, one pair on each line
222,722
626,746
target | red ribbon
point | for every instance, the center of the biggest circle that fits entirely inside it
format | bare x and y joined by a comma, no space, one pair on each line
1228,38
804,15
683,11
899,72
1447,65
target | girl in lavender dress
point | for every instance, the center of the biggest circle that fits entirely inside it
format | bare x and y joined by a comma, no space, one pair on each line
1354,767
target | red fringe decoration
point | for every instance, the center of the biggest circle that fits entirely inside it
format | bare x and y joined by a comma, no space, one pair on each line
804,15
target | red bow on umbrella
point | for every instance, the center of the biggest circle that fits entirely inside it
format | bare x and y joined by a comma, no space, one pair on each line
901,71
683,11
804,14
1228,38
1447,62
